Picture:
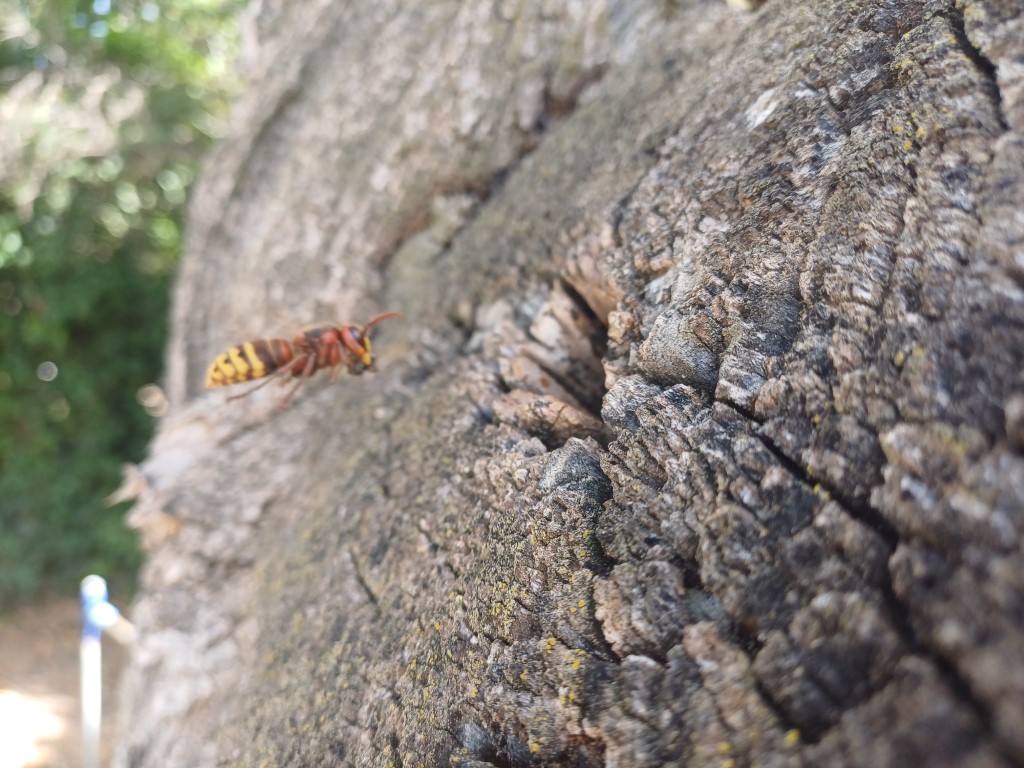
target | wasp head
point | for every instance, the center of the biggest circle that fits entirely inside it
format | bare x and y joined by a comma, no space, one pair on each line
364,333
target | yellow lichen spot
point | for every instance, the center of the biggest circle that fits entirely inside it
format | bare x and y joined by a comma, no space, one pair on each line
898,128
412,664
473,691
437,625
523,675
724,747
920,131
899,358
792,737
581,603
576,665
728,763
918,352
534,747
550,644
908,145
816,419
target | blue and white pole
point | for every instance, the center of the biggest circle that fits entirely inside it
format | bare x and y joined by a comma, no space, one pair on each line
97,615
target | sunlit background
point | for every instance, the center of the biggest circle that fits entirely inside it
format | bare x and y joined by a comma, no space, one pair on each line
106,108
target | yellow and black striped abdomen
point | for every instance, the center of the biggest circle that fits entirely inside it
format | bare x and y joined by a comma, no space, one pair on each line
251,360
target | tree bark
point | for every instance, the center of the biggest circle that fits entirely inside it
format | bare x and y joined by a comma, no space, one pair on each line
701,439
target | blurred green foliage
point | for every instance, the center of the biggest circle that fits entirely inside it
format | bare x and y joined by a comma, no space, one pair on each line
106,107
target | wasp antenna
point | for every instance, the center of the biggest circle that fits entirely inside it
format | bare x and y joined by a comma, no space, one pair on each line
378,318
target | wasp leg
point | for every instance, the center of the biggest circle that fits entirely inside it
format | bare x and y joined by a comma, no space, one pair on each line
287,398
267,380
305,374
276,375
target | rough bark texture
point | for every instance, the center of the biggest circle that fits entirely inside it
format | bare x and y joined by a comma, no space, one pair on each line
701,440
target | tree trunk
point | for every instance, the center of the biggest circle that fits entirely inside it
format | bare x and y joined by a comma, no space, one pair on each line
701,438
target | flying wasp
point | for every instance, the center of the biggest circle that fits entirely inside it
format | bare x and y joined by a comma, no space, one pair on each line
314,347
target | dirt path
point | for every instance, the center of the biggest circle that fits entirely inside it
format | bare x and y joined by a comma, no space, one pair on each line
39,703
